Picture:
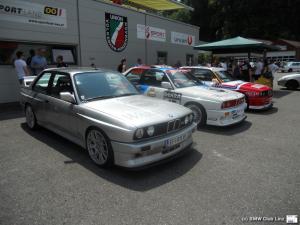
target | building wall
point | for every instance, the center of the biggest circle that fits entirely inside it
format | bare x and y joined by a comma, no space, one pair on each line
88,36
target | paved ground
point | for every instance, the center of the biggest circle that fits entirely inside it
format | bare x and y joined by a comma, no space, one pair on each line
248,170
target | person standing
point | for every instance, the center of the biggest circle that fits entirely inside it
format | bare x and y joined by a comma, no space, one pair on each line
273,67
246,71
139,62
21,67
39,62
60,62
236,70
28,61
122,66
258,69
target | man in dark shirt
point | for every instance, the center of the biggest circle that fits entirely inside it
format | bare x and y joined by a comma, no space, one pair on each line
246,71
60,62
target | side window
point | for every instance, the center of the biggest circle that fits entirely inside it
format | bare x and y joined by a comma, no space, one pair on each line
204,75
61,83
135,75
153,78
42,84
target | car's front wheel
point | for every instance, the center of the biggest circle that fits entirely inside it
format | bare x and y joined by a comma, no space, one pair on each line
292,84
30,117
199,113
99,148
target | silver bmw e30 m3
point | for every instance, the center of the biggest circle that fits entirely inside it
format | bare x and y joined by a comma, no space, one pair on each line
103,112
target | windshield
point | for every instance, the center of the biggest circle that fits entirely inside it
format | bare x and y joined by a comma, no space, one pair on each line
101,85
182,80
225,76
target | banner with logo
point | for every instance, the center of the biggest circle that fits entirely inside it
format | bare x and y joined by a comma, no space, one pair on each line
182,39
116,30
32,13
151,33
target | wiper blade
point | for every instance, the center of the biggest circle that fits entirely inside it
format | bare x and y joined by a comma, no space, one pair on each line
98,98
128,94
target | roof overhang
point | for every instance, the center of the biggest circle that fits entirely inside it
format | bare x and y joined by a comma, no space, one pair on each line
159,5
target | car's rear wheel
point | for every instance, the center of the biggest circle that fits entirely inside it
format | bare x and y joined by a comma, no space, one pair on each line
30,117
99,148
199,113
292,84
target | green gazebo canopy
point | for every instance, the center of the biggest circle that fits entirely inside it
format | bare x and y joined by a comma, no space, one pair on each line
234,45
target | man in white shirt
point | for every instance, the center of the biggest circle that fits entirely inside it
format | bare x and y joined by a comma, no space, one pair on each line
273,67
258,69
21,67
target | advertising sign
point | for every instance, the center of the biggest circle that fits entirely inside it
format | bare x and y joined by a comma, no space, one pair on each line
182,39
32,13
116,30
151,33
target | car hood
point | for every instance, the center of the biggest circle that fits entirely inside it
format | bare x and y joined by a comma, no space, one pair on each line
138,110
209,93
290,76
247,86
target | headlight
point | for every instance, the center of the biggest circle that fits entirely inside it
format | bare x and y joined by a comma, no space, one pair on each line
186,120
139,133
150,130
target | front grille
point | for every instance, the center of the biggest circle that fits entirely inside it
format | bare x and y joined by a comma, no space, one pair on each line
267,93
173,125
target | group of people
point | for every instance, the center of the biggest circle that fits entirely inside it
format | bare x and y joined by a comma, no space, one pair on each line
34,64
244,71
122,66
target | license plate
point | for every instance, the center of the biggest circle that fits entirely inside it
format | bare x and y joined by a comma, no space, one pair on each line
174,141
236,113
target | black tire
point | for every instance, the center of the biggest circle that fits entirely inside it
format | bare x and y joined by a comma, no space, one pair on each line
30,118
290,70
198,110
292,84
101,155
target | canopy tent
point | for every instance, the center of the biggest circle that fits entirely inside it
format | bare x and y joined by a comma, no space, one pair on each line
158,5
236,45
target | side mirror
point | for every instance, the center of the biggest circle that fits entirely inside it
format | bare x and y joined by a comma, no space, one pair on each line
166,85
67,96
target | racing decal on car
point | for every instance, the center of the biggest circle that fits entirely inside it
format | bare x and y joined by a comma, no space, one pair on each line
116,30
151,92
172,96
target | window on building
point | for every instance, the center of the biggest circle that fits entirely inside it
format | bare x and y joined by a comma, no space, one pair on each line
8,52
189,60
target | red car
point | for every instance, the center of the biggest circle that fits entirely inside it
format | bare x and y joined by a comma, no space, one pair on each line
258,96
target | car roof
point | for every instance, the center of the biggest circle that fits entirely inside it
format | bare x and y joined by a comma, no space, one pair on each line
74,70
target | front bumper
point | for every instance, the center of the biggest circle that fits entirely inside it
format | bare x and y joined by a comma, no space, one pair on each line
226,117
134,155
260,103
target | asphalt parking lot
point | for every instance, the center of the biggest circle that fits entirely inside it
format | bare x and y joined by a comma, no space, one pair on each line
231,174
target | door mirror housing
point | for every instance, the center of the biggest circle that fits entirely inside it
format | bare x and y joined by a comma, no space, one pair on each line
166,85
67,96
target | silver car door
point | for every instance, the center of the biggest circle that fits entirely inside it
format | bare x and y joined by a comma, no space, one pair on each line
62,114
40,97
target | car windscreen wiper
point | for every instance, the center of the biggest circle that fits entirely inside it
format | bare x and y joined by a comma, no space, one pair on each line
98,98
123,95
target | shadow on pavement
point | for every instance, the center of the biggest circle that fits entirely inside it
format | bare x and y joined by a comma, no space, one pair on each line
281,93
10,111
142,180
229,130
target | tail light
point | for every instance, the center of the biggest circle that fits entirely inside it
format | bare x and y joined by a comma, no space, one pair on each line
232,103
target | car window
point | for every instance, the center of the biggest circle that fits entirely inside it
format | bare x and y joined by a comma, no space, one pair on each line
61,83
202,74
225,76
100,85
182,80
153,78
41,85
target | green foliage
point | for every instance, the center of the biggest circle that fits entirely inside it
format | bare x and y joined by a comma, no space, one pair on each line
182,15
264,19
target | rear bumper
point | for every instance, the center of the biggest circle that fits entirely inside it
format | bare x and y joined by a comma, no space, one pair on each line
132,155
226,117
261,107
